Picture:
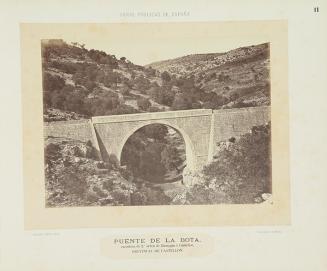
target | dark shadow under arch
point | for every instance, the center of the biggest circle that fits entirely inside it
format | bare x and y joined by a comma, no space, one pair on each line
155,153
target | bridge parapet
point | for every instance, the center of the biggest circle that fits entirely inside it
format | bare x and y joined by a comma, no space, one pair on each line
152,116
81,130
235,122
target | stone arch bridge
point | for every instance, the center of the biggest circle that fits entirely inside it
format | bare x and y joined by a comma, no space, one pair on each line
201,129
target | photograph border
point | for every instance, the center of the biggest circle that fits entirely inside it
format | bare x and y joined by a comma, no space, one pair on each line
37,216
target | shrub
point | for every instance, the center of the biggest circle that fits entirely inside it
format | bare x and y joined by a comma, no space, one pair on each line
154,109
121,197
141,84
100,193
152,196
223,77
57,99
165,76
73,101
150,71
143,103
78,152
244,169
91,197
138,199
181,102
51,153
200,194
155,131
112,79
170,157
66,67
103,165
125,91
73,181
52,82
113,160
122,109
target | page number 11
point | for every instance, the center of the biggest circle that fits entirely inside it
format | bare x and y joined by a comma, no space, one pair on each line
316,9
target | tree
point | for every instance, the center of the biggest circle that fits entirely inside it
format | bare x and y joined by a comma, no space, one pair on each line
58,99
68,88
150,165
170,158
112,78
154,109
89,85
125,91
74,102
127,82
234,96
52,82
100,76
51,153
111,102
165,76
181,102
167,96
223,77
155,131
185,83
123,109
141,83
143,103
150,71
213,101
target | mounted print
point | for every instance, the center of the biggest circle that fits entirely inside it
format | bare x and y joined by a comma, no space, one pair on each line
187,115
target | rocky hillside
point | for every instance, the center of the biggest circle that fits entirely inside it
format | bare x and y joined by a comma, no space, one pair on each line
240,172
92,82
80,83
74,177
241,75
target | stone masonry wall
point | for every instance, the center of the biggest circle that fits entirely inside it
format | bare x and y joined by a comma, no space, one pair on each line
74,129
235,122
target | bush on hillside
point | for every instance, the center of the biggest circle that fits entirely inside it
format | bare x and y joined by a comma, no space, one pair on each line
240,173
143,104
51,153
165,76
52,82
66,67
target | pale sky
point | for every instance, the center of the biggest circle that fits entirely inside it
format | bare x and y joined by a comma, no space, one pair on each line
146,43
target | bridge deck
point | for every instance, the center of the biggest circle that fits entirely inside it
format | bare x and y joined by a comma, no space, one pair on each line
152,116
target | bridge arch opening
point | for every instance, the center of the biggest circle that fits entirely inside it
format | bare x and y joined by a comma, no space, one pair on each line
157,152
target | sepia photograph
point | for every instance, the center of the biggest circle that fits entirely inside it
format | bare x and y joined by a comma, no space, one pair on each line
161,135
161,120
189,130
